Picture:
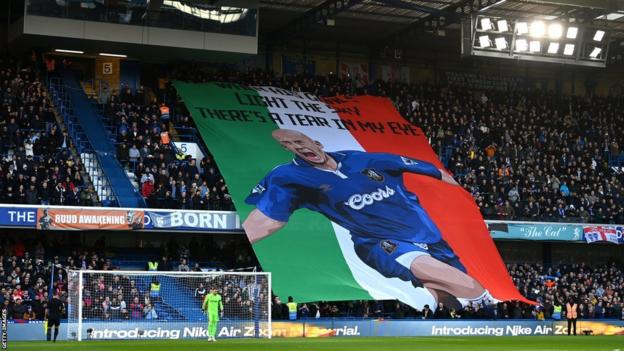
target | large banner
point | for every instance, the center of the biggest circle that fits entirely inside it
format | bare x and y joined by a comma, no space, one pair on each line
344,328
209,221
343,199
18,216
535,231
88,219
604,233
100,218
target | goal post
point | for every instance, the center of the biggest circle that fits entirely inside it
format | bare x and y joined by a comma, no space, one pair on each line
108,305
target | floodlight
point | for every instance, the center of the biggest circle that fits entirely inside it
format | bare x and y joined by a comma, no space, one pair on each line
501,43
486,23
522,45
538,29
555,31
611,16
502,25
522,28
484,41
553,48
572,32
595,52
538,39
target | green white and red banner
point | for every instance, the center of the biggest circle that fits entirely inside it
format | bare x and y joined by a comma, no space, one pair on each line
311,257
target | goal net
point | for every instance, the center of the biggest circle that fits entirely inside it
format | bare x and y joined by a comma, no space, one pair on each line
165,305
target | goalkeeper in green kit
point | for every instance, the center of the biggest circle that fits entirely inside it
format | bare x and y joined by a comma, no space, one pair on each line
214,306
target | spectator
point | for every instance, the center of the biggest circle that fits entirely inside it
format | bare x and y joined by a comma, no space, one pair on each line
147,188
183,266
150,312
441,312
115,308
73,197
32,195
136,308
106,308
200,292
427,313
123,307
18,309
133,154
165,264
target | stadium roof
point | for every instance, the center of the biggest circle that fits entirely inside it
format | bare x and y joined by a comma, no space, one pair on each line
397,11
384,22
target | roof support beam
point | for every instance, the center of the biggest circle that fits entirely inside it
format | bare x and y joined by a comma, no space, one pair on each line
401,4
314,16
453,13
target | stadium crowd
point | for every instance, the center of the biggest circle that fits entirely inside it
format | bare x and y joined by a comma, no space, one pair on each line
167,178
526,155
597,290
30,269
523,155
30,273
36,165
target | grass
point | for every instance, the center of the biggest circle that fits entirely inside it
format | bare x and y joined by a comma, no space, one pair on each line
521,343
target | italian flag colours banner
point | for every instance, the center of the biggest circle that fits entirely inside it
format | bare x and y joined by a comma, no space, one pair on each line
345,200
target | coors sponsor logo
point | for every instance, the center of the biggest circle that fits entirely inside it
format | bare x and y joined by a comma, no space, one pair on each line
359,201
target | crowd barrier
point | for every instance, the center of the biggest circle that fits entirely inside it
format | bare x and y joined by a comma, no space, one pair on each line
88,218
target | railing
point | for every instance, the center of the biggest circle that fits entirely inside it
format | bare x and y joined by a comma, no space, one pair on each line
99,180
61,99
109,124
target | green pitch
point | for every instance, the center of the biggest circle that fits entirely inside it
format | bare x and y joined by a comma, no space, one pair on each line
537,343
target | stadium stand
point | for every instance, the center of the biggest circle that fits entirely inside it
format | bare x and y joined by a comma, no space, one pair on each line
31,269
558,167
28,266
86,127
166,177
38,163
599,290
90,118
561,166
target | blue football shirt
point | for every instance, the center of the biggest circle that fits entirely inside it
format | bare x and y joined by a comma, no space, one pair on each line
365,195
